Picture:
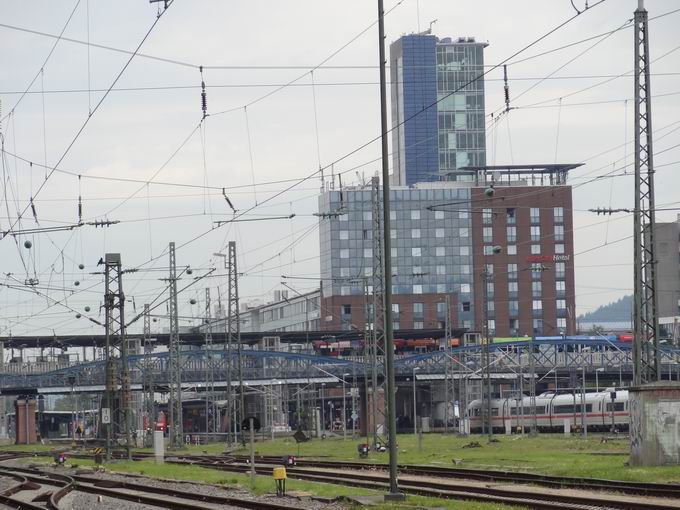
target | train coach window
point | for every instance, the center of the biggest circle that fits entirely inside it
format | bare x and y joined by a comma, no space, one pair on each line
569,409
618,406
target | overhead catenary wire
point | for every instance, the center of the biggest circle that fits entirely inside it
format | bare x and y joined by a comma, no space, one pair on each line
89,117
44,63
288,67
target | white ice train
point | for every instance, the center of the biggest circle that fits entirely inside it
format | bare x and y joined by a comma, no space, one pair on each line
602,412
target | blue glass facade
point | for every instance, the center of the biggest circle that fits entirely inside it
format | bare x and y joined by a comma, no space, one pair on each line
430,143
414,87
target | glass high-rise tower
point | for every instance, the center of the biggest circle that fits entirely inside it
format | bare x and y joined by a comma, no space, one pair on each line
437,107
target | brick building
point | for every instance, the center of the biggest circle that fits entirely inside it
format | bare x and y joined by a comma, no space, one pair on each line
443,234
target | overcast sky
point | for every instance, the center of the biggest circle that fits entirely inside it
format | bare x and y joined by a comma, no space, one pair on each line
133,133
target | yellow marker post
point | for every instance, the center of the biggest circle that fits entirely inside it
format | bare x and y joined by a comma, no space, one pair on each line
280,478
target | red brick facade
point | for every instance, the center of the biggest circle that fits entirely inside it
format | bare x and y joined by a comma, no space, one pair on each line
519,201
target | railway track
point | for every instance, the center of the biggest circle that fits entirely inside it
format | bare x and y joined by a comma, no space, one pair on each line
558,482
457,488
457,483
51,488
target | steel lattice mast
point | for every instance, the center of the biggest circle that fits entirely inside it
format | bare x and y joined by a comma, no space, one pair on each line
175,403
117,368
148,382
234,325
449,369
646,325
378,376
209,370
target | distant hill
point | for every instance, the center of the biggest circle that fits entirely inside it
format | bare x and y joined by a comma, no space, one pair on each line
617,311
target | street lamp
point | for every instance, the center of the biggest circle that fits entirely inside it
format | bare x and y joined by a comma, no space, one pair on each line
323,411
597,380
415,407
344,408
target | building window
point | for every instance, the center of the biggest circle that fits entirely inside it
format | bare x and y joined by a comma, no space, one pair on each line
441,308
417,270
491,325
562,323
441,270
487,216
344,272
488,249
514,326
415,233
368,215
512,271
395,308
439,215
416,252
489,289
535,214
463,215
466,306
464,288
510,218
560,269
344,291
558,214
440,251
538,326
537,304
536,289
559,232
560,286
561,304
512,249
439,232
464,251
393,253
513,307
535,233
489,269
490,306
441,288
418,289
535,249
464,269
343,217
559,248
393,215
512,288
395,326
418,324
536,270
415,214
487,233
393,233
418,309
511,234
344,234
344,253
463,232
368,253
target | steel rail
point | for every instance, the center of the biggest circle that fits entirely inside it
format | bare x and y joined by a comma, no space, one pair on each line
459,491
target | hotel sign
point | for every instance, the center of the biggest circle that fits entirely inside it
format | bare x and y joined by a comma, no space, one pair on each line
548,258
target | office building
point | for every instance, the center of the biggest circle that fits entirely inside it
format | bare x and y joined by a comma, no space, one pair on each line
437,107
667,240
443,234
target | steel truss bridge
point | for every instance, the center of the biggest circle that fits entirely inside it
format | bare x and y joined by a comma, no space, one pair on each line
261,368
